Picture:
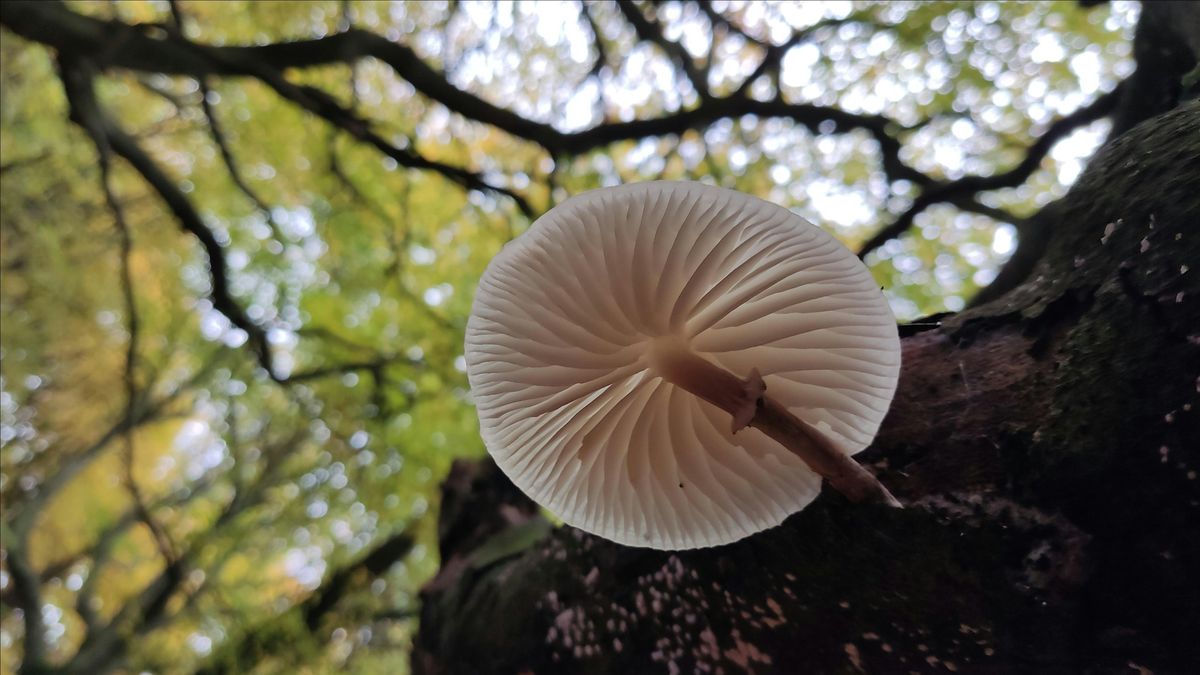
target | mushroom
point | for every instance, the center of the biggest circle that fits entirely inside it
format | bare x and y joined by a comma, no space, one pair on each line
675,365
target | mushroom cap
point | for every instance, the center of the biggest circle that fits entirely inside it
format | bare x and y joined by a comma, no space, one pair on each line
557,343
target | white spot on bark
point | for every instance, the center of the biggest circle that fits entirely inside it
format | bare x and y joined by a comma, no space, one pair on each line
563,620
1108,231
852,654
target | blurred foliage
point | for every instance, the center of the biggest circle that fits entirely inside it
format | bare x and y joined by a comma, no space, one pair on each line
264,489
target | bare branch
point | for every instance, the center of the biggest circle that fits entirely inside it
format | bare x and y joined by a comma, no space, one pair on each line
718,19
133,325
27,595
968,186
122,45
339,369
175,499
973,205
379,560
85,598
165,94
597,40
218,135
85,110
247,649
22,521
649,30
773,57
151,607
167,51
398,246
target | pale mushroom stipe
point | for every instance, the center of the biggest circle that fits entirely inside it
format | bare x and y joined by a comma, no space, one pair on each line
675,365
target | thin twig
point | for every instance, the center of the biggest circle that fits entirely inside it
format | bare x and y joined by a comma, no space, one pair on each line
649,30
216,129
161,539
601,59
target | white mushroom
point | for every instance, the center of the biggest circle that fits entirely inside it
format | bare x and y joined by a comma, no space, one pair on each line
610,347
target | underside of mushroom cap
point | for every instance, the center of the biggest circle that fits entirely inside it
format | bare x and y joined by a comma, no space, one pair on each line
559,348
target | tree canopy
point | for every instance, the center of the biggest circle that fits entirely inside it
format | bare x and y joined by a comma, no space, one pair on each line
240,243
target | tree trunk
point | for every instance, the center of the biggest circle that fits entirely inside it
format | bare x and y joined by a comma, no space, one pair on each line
1046,445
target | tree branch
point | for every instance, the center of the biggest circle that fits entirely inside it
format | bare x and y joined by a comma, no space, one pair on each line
105,644
175,499
375,563
162,541
967,187
235,174
259,641
156,49
125,46
86,112
21,522
718,19
27,595
774,53
649,30
597,40
77,79
339,369
216,130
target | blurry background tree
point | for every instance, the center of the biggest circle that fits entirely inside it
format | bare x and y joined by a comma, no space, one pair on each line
240,242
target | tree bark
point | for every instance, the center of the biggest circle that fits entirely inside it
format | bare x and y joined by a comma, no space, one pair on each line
1046,444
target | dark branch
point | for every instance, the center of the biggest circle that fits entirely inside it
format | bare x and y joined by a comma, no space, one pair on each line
371,366
259,641
967,187
174,500
125,46
718,19
973,205
85,110
773,57
105,644
398,246
21,522
597,40
85,599
162,541
108,643
27,595
156,49
649,30
218,135
375,563
235,174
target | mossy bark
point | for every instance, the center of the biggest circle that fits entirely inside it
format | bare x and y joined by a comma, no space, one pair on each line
1047,445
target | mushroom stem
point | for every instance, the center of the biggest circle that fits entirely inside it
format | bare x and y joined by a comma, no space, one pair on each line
746,402
843,473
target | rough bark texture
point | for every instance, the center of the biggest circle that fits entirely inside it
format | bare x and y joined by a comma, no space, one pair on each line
1047,446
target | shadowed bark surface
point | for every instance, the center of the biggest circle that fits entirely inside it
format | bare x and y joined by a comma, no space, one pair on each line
1045,444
